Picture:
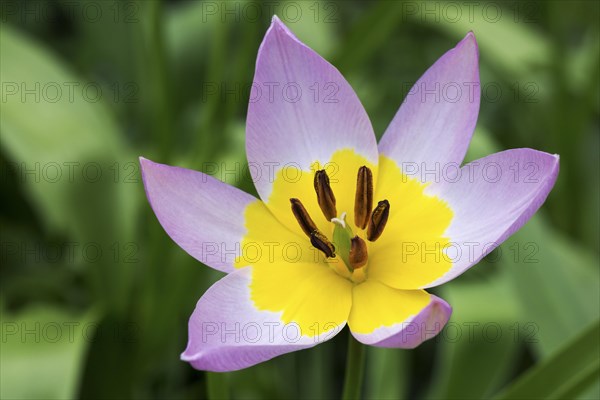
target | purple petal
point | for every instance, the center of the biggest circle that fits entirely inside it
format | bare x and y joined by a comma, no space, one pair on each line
227,332
491,199
203,215
386,317
301,110
435,122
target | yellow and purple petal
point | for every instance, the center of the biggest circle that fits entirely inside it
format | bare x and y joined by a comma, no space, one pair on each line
229,331
386,317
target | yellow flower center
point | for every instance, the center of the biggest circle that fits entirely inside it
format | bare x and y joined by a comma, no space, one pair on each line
292,264
350,247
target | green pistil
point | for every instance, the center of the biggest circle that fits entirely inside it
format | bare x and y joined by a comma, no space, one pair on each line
342,239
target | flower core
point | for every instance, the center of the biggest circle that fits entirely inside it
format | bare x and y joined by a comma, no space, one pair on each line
351,248
286,264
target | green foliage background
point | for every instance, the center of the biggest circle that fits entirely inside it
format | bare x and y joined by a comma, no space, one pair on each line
80,324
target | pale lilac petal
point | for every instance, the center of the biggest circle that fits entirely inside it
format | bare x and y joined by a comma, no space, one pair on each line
386,317
286,129
203,215
227,332
491,199
435,122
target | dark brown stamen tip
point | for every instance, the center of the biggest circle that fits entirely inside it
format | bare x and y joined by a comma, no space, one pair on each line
363,201
358,253
321,242
305,221
378,220
325,195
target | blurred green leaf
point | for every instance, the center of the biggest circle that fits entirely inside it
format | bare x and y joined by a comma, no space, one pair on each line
532,306
113,344
387,373
217,386
582,63
482,144
565,374
187,33
368,34
69,156
546,269
49,121
484,326
320,374
42,353
313,23
506,37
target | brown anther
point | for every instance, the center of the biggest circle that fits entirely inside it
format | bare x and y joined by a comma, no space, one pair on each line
363,201
358,253
325,195
320,241
305,221
378,220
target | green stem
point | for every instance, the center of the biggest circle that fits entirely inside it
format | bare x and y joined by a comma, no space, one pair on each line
355,365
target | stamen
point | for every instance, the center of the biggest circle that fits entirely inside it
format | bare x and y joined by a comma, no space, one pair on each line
363,201
358,253
378,220
325,195
321,242
305,221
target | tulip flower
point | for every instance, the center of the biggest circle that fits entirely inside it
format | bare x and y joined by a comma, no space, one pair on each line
347,231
